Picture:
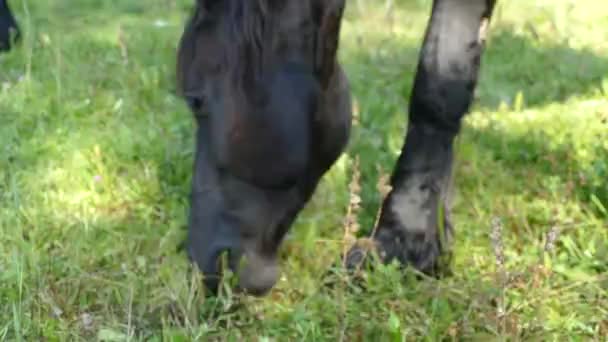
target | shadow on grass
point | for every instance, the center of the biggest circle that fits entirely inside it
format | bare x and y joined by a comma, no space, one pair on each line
535,156
545,73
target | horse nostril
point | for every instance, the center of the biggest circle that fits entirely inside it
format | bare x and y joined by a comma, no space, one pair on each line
213,266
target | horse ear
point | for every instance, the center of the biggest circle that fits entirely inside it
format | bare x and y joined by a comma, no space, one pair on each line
329,18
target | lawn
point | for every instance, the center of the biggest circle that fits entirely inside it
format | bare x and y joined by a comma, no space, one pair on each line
95,164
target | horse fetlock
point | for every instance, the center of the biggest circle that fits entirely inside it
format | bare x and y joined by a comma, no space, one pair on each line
429,252
414,228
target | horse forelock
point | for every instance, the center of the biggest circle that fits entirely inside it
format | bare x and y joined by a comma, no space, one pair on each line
250,26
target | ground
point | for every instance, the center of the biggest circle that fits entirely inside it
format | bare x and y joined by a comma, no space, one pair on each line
95,165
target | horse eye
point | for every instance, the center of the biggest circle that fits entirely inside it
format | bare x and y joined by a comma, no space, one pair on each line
196,102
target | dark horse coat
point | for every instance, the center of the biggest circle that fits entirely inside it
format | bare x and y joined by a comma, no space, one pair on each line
273,110
9,31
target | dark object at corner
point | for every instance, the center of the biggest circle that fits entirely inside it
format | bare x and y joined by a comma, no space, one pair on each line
9,30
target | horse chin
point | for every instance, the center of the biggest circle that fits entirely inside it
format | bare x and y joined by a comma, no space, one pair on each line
258,274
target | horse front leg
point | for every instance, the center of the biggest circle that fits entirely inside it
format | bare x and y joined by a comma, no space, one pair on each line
414,226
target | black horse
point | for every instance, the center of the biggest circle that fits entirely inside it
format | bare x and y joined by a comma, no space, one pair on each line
9,30
273,111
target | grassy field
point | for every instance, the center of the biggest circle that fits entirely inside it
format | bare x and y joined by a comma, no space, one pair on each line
95,162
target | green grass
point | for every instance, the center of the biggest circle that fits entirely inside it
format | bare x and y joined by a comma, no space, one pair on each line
95,162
